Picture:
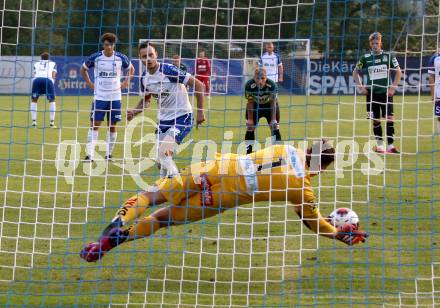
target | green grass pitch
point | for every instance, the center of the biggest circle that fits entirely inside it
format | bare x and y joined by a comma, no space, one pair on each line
246,257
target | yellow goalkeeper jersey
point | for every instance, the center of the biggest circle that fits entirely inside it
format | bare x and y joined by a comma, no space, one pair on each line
276,173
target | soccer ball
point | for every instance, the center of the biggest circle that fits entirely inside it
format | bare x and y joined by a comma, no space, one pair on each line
343,216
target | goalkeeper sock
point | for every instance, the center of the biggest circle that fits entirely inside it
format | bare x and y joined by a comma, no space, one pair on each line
111,140
132,208
143,228
390,132
52,110
276,133
34,111
377,129
249,138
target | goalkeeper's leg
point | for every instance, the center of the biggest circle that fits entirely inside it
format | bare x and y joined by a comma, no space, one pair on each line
133,208
165,217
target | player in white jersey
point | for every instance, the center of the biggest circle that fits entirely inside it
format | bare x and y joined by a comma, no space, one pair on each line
166,83
108,65
273,65
434,83
45,72
271,61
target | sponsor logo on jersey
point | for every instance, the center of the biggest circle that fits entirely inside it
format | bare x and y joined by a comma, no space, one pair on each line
378,72
206,192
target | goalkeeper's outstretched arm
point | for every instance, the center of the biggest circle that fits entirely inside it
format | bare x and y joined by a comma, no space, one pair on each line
312,219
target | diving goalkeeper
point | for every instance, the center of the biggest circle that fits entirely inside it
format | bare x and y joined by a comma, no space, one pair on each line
276,173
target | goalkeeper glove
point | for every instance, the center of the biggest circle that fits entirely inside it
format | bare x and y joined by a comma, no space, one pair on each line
93,252
350,234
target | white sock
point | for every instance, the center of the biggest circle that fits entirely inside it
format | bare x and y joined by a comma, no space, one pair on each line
92,136
168,166
34,111
379,143
52,109
111,140
390,146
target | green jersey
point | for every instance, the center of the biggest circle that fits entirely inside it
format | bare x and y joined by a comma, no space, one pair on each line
263,95
377,68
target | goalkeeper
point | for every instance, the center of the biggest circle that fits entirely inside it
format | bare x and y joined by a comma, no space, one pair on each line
262,102
276,173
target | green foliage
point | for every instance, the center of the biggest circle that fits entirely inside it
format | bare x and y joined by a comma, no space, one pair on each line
74,27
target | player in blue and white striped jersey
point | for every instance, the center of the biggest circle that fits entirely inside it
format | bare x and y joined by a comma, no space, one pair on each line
167,84
108,65
434,83
272,63
45,72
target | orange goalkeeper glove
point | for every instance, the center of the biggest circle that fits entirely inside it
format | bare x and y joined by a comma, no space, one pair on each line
350,234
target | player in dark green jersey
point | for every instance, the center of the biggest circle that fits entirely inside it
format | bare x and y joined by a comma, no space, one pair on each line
378,65
262,102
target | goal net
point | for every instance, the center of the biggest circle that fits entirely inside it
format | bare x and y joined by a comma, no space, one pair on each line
234,61
52,203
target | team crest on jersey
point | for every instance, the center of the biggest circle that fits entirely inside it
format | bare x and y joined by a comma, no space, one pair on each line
253,85
385,58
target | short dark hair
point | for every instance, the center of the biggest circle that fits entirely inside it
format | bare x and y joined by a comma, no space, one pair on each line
327,153
145,44
109,37
44,56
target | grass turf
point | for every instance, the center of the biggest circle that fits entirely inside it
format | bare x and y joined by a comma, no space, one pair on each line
256,255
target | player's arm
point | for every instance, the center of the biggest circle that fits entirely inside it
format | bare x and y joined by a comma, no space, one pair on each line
250,113
249,106
208,68
431,80
431,77
199,89
357,78
280,70
85,75
312,219
141,105
273,107
128,78
397,76
126,64
54,71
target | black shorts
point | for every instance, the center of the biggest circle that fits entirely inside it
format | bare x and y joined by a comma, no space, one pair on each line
379,105
264,111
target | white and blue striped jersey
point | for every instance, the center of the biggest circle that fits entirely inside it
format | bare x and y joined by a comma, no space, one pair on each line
107,74
434,69
167,86
44,69
271,63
